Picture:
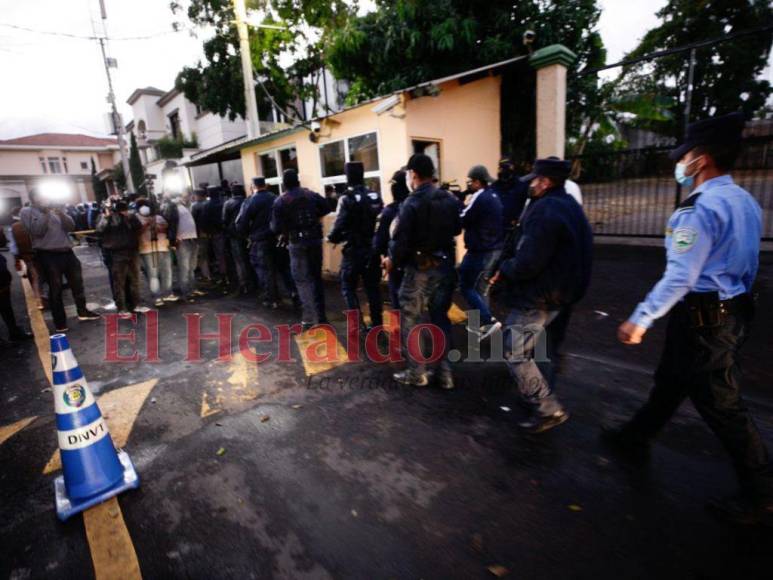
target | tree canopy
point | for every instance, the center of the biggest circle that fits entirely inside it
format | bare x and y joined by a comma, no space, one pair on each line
216,84
405,42
726,75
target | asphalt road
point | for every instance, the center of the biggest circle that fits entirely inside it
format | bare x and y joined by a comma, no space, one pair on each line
282,470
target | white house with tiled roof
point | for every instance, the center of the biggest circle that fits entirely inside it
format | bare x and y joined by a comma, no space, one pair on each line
26,161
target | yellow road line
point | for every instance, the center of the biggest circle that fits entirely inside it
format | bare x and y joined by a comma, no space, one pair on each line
8,431
39,328
112,551
111,546
320,350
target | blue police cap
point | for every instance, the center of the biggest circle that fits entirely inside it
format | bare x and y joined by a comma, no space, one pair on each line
258,181
549,167
726,129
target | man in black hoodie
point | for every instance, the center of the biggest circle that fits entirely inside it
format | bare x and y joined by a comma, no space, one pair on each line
549,271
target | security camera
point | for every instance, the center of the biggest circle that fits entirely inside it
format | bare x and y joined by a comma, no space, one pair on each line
316,127
528,37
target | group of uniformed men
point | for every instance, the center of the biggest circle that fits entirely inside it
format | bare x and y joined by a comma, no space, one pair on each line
530,240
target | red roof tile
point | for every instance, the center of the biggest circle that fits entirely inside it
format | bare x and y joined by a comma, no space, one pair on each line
60,140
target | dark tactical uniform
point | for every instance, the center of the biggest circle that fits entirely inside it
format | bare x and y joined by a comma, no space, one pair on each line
296,216
231,209
354,226
254,222
423,245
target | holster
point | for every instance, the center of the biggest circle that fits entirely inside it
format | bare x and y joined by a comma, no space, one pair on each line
706,310
425,261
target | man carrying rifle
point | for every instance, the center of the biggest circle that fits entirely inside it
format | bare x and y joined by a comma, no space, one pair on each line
549,270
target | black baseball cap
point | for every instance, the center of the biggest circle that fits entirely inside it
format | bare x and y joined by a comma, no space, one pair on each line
726,129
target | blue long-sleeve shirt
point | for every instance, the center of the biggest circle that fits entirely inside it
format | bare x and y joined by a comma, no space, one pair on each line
254,219
712,245
482,222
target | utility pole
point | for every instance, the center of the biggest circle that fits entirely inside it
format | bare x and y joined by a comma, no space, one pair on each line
250,101
117,121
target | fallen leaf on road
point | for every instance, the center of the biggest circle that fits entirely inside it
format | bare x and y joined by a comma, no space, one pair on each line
575,508
221,451
477,542
264,418
498,571
297,406
505,409
354,513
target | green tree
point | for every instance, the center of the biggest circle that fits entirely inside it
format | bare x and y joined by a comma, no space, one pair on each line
136,169
405,42
119,177
100,189
726,75
215,83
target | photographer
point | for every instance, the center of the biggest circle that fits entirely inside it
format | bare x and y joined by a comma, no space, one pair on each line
154,250
119,231
48,227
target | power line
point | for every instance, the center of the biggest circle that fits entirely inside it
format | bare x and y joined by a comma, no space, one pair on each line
92,37
678,49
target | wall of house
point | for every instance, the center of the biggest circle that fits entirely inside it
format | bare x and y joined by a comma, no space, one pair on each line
145,108
212,130
20,162
187,115
465,119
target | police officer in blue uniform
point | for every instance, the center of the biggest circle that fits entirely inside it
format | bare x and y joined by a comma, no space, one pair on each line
254,223
512,192
297,216
712,244
354,226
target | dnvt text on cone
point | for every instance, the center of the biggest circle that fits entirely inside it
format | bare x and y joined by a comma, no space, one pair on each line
94,470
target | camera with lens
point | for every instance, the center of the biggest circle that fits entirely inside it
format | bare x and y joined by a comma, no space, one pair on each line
115,205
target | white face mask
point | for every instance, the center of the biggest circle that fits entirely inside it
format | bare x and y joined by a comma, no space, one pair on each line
145,211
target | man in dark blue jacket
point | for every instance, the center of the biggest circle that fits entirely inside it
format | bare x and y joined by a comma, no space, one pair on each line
297,216
423,245
549,270
235,240
354,227
382,235
254,222
482,223
213,227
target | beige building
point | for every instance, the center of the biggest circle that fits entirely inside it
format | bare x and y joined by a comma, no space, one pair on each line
27,161
455,120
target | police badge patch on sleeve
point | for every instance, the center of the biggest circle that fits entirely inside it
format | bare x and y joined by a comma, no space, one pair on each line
683,239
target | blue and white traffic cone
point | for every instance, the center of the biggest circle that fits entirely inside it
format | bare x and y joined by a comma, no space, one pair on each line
94,470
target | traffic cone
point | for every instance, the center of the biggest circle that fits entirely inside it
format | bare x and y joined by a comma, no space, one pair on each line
94,470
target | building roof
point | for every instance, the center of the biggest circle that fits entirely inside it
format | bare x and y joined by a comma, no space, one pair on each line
167,97
229,149
61,140
153,91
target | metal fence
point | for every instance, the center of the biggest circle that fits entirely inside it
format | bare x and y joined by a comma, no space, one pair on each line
633,192
646,103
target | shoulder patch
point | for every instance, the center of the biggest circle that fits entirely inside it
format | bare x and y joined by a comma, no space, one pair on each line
683,239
